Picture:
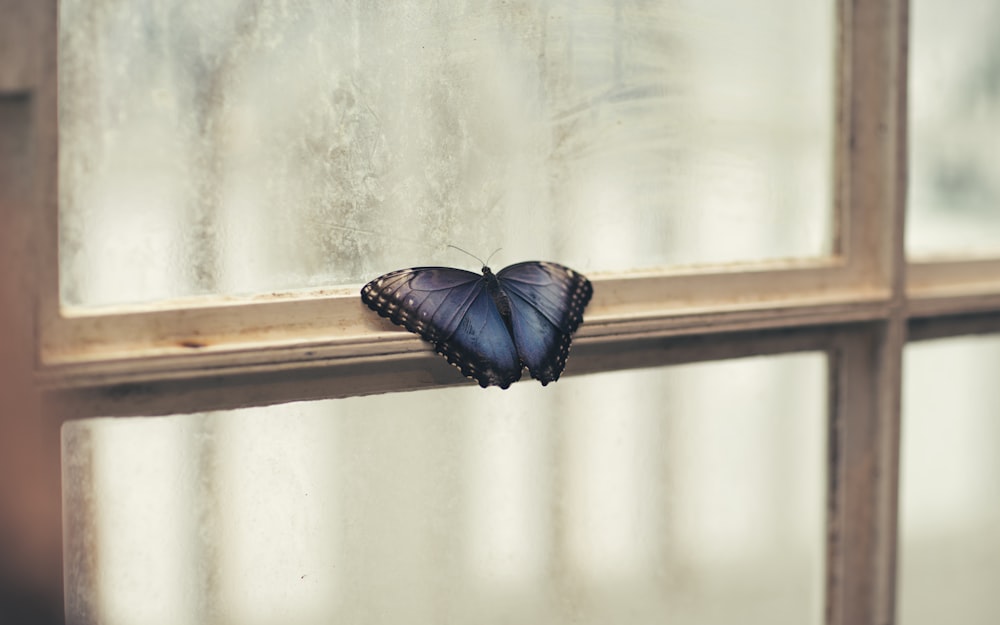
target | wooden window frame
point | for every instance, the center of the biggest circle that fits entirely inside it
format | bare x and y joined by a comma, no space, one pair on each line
859,306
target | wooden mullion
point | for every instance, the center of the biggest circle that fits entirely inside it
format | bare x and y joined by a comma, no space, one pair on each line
29,440
850,571
864,474
377,341
948,288
939,327
866,365
337,316
418,371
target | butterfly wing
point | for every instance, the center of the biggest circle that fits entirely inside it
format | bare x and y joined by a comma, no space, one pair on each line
452,309
547,302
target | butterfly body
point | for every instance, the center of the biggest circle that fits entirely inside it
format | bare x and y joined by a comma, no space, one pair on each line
492,325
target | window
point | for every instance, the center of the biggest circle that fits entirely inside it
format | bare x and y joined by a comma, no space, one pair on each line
808,311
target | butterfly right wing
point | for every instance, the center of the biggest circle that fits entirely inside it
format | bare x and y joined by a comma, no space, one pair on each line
452,309
547,303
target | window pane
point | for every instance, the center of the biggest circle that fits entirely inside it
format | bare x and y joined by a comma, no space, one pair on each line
954,194
241,147
950,501
690,494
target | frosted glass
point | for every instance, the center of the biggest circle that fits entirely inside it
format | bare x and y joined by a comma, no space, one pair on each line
949,567
238,147
690,494
954,182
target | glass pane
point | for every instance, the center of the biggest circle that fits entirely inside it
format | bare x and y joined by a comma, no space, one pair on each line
630,497
241,147
950,484
954,194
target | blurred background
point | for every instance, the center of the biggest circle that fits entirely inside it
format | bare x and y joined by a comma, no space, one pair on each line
246,147
257,146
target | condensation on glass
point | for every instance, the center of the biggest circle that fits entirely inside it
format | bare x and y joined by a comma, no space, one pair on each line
691,494
954,177
247,146
949,521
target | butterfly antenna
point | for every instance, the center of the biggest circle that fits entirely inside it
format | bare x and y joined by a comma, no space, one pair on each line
488,258
469,253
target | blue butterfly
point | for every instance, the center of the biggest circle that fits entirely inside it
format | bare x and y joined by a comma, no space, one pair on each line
490,326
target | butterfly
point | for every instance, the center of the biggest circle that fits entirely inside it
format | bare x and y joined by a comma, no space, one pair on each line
490,326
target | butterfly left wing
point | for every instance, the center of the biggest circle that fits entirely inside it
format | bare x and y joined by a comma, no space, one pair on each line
547,302
452,309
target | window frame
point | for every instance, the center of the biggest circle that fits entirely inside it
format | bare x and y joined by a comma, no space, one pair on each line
860,306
